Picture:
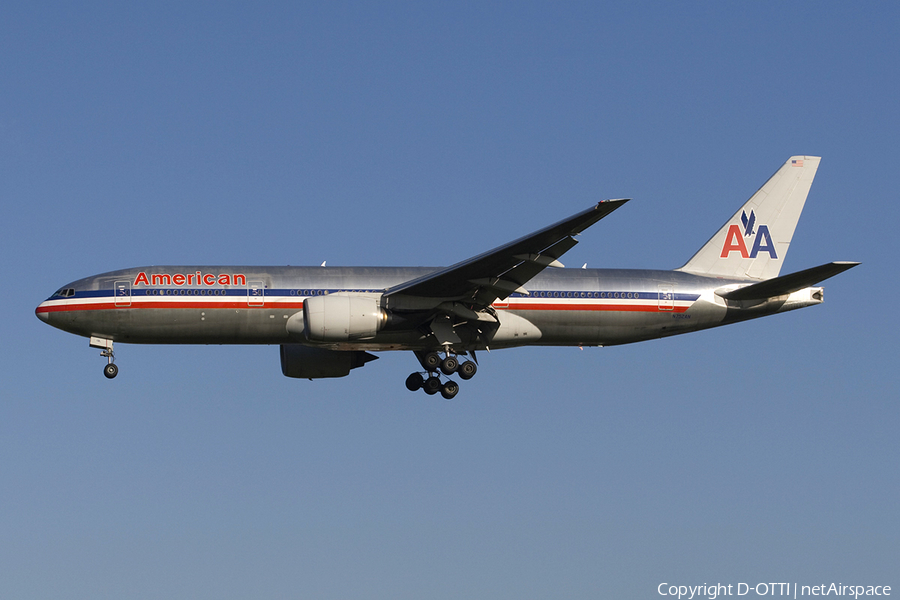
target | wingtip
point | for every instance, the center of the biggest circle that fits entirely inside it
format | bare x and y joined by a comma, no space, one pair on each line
846,264
618,201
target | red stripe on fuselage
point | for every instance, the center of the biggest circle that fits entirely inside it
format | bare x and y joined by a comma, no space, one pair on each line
272,305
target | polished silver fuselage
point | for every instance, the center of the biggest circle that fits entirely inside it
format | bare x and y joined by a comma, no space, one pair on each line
252,305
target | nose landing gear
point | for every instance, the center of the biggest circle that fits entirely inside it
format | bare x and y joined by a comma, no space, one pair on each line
106,347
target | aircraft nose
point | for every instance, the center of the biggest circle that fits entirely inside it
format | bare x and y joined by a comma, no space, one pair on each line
41,312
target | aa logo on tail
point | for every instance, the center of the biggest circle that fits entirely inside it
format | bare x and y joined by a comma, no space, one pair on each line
734,239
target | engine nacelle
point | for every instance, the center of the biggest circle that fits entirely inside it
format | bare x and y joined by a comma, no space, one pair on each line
304,362
341,318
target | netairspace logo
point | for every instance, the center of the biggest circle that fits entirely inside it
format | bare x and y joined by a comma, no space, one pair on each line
770,589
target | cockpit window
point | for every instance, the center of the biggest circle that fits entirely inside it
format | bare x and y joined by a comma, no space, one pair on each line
65,293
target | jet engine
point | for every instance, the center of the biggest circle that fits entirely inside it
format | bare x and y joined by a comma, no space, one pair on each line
341,318
304,362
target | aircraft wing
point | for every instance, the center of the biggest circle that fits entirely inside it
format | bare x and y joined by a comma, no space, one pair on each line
497,273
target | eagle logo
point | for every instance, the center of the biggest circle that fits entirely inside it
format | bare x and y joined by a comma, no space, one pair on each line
748,223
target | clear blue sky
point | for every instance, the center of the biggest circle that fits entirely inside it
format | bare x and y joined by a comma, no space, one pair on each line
421,134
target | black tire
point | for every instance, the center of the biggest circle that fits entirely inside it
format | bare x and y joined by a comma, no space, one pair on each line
449,365
414,382
432,386
449,390
110,370
467,370
431,361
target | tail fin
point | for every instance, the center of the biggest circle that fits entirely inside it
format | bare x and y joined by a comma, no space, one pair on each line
754,242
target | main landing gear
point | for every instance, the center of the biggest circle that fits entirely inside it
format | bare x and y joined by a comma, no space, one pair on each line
430,381
106,347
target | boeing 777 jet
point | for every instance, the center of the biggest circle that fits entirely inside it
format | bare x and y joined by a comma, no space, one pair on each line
329,320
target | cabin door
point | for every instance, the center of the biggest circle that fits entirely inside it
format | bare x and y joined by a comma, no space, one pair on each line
122,291
256,293
666,297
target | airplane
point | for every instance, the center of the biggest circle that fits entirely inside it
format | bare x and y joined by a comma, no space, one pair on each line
328,320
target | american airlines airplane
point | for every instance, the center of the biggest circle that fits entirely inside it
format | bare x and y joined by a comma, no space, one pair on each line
328,320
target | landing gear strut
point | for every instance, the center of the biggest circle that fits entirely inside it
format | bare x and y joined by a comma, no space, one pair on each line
434,365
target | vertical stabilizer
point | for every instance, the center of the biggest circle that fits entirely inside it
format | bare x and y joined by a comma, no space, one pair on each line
754,242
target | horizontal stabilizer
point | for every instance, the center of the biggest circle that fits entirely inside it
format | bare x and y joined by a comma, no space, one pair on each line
788,284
